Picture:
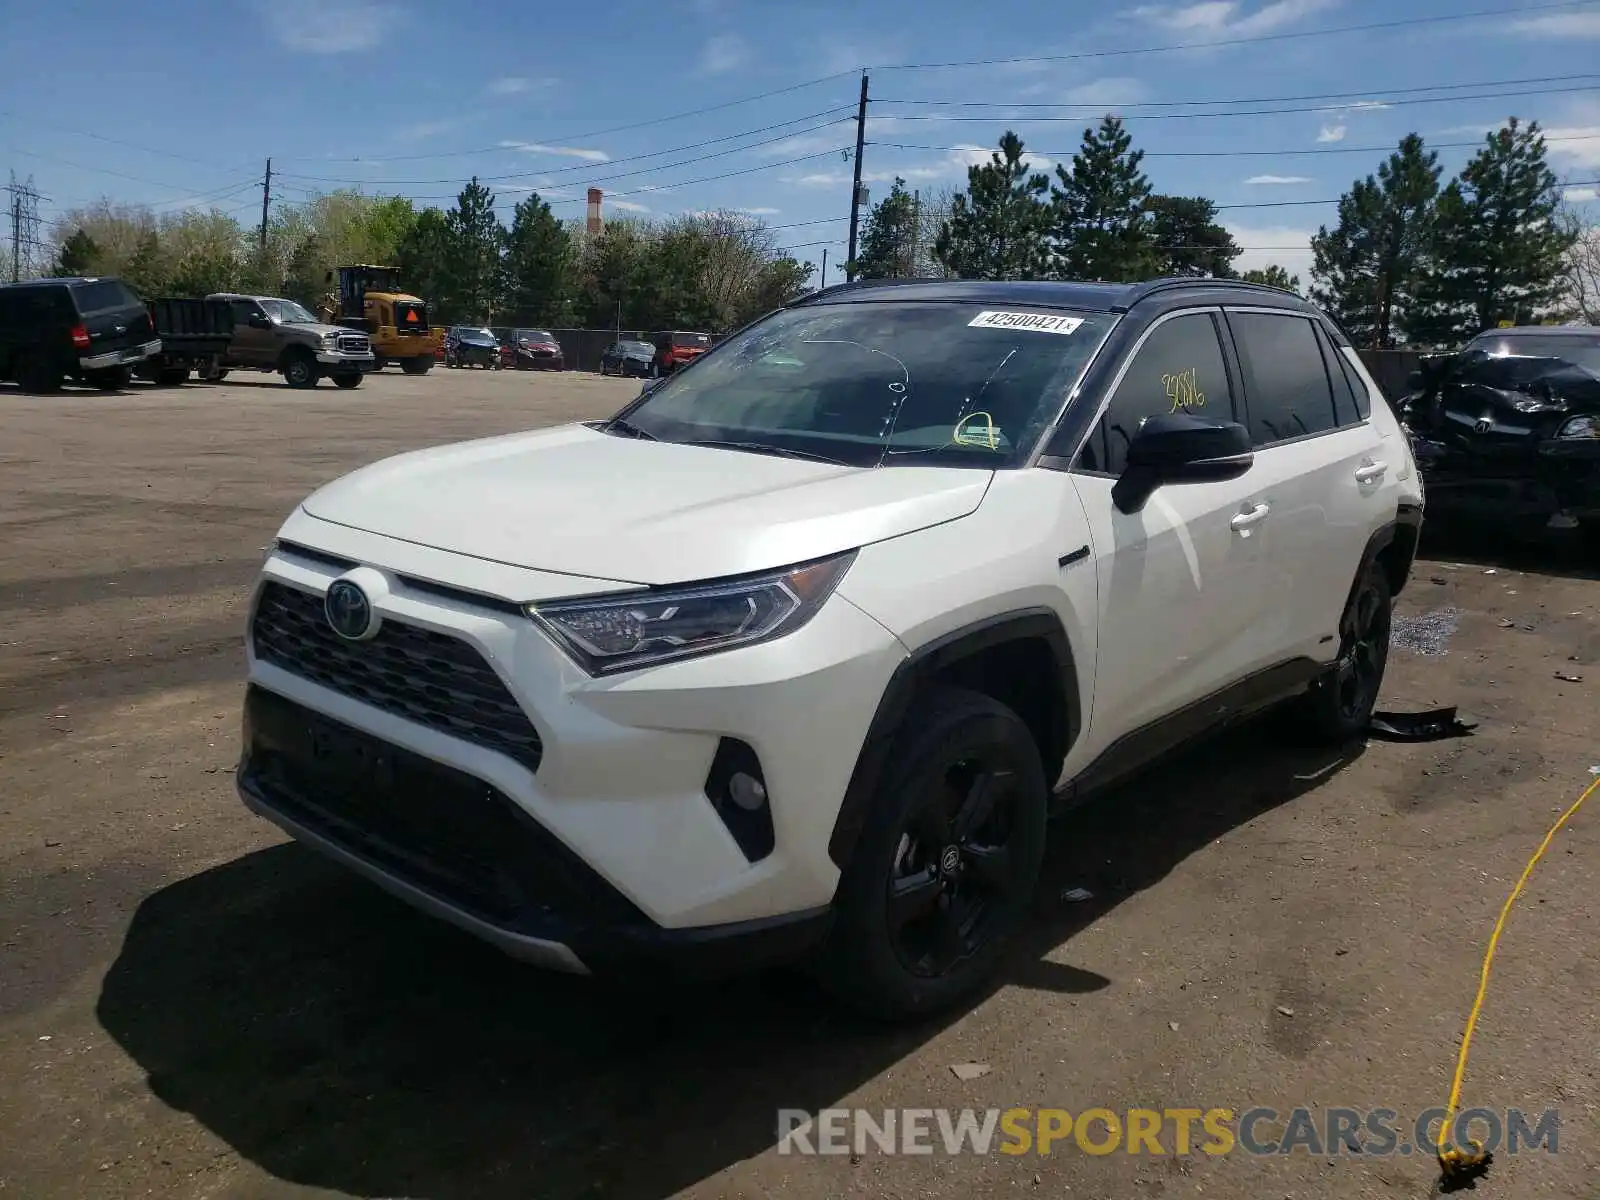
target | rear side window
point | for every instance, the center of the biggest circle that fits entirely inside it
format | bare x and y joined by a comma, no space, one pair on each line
1350,398
103,294
1179,368
1286,382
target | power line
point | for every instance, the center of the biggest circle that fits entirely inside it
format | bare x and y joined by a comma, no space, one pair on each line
489,179
1588,137
1097,109
1369,94
1255,40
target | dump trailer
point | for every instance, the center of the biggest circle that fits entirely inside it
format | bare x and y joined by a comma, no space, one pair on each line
370,298
194,336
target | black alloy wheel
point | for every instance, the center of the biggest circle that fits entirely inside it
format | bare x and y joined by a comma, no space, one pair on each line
1339,705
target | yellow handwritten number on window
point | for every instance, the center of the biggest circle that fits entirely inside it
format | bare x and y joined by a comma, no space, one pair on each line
1183,389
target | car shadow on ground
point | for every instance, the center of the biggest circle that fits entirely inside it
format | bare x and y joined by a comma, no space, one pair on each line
1565,554
339,1040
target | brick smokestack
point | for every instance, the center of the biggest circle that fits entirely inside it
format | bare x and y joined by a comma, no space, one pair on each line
596,223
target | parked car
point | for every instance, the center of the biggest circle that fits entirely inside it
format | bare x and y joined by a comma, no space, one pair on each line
792,656
195,335
466,346
274,334
1508,430
676,349
532,350
93,330
629,358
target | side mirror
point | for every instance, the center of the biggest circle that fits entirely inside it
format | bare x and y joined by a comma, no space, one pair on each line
1179,448
257,321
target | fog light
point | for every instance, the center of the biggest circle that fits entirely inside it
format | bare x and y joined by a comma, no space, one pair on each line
737,790
747,791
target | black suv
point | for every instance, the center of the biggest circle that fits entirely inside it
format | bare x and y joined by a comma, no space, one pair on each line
92,330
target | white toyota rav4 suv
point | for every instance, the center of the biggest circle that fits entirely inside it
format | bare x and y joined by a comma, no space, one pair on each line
793,656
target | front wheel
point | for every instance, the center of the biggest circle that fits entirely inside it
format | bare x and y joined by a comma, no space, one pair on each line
347,381
1339,705
416,366
300,372
944,872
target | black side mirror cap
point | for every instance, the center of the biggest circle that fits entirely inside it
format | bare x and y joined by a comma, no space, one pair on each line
1179,448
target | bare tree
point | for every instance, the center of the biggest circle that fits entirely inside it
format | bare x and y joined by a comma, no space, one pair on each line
933,212
1580,298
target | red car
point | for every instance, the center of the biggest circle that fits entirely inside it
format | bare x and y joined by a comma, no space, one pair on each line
678,348
532,350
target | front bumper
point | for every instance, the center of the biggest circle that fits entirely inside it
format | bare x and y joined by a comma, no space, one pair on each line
117,358
612,805
339,362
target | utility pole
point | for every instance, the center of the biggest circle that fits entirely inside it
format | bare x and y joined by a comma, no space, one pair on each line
16,235
266,199
824,268
855,186
916,232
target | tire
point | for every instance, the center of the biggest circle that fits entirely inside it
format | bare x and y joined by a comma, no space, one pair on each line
348,381
1339,706
36,374
111,379
172,376
219,376
379,362
944,872
416,366
300,371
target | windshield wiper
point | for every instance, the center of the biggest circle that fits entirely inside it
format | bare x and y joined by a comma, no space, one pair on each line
624,426
764,448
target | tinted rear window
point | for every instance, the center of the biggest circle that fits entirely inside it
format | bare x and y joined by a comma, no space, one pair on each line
691,339
103,294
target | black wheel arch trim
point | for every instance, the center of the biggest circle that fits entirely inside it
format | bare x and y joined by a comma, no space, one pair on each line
919,668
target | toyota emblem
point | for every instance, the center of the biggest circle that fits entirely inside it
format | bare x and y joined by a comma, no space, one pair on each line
950,860
349,612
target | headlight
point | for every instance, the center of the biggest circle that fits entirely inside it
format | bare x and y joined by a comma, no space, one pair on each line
1539,404
330,341
606,634
1580,427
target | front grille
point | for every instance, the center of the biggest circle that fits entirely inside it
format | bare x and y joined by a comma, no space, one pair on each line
431,825
354,343
430,678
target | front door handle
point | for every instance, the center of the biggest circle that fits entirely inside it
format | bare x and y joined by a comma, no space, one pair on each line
1371,472
1245,521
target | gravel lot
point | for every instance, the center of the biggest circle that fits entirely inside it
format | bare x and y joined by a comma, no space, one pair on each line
190,1006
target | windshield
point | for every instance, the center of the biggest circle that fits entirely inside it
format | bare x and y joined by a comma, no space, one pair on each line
891,383
477,335
534,335
287,312
636,348
1583,351
691,339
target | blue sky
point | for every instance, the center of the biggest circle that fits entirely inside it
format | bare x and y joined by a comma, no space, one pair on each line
189,97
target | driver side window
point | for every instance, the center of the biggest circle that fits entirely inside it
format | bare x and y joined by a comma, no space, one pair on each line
1179,368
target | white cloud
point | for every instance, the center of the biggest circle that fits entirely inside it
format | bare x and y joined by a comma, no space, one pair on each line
723,53
516,85
1110,92
759,212
1331,133
842,178
1288,246
1275,180
1559,25
1580,195
428,129
314,27
1583,150
1216,20
626,205
598,156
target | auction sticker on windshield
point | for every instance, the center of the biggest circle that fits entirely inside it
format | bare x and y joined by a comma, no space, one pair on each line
1032,322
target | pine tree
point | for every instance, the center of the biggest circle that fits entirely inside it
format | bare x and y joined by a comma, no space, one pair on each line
1099,226
537,266
1498,252
1272,275
997,227
1366,271
79,255
1187,239
477,239
889,241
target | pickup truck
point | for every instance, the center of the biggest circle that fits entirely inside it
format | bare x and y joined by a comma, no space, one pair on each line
194,337
274,334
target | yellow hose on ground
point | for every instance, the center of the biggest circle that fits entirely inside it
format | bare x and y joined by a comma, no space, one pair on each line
1456,1164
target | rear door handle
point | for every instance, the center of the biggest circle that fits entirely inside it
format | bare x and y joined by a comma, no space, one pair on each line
1244,521
1371,472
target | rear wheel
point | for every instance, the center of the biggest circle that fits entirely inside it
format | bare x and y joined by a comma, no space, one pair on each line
37,374
946,866
172,376
416,366
300,371
111,379
348,381
1339,706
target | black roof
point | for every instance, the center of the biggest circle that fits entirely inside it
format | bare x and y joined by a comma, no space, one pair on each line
1088,297
60,279
1582,331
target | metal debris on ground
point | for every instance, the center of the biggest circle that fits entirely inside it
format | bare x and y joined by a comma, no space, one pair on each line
1569,677
967,1072
1425,634
1077,895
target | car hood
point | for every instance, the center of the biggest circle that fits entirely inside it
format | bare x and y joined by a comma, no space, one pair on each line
580,502
317,329
469,340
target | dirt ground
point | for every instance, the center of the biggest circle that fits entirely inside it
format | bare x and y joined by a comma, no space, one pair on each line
192,1007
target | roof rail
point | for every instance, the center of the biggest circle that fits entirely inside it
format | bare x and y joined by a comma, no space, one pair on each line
856,285
1150,287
